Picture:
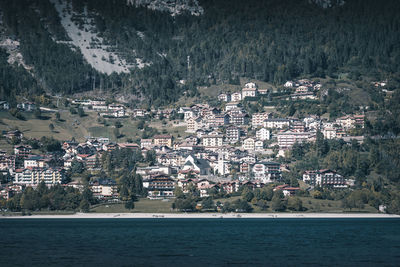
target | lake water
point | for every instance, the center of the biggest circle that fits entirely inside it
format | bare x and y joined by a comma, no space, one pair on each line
200,242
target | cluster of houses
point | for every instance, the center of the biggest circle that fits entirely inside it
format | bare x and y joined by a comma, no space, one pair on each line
105,110
23,106
225,148
304,89
234,126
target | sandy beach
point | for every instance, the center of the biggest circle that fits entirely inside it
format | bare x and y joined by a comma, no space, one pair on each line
204,216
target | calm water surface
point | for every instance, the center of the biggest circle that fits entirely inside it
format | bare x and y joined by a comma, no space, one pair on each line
200,242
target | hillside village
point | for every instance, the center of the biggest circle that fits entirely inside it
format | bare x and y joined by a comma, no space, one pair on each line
225,148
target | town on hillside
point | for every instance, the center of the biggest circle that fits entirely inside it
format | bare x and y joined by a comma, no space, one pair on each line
226,149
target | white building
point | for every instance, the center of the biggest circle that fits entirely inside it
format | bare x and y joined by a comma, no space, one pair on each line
288,138
266,172
33,176
224,97
188,113
249,90
324,178
259,145
231,106
258,119
236,97
347,122
329,133
213,139
276,123
263,134
194,124
248,144
223,165
288,84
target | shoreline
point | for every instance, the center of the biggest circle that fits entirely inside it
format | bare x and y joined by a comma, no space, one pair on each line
209,216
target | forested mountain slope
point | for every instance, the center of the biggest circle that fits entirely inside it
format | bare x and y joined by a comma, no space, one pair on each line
266,40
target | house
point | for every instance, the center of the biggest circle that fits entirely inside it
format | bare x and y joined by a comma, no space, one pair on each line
248,144
9,191
288,84
224,97
146,143
297,126
100,108
68,146
303,96
244,167
7,163
346,122
139,113
221,119
232,134
34,162
128,146
17,134
231,187
203,186
26,106
162,140
109,147
189,113
185,174
22,151
33,176
258,119
259,145
359,120
236,97
4,105
104,189
312,122
152,170
116,107
263,91
166,113
287,190
92,162
277,123
182,110
231,105
200,165
263,134
288,139
68,163
76,184
329,133
118,113
249,90
239,119
325,178
213,139
267,171
83,102
249,159
97,102
160,186
86,149
302,89
193,124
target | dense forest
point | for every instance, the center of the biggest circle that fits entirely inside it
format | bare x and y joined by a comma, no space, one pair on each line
266,40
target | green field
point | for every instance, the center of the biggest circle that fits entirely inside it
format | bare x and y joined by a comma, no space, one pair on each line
311,205
144,205
80,127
